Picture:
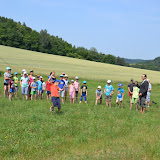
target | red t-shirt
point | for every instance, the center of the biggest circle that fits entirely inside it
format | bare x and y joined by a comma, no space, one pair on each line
48,86
54,90
11,84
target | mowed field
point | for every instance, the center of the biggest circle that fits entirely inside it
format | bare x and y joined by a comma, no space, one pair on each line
29,131
43,63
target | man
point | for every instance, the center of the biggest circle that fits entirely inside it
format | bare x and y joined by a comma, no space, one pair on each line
148,93
130,89
143,93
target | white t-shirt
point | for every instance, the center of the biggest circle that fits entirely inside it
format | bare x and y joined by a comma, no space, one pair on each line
44,86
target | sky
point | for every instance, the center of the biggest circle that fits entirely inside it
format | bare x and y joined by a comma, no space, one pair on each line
125,28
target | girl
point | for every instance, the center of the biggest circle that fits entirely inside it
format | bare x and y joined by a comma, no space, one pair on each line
6,80
43,87
72,91
77,87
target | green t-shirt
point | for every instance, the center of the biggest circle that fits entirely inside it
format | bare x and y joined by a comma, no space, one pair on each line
24,81
135,92
15,81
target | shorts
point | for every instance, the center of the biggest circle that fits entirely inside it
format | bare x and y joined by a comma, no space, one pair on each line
16,88
142,101
5,84
134,100
61,93
56,102
130,95
148,97
76,92
33,92
83,95
66,89
72,95
48,92
43,91
39,91
119,99
24,90
12,90
108,97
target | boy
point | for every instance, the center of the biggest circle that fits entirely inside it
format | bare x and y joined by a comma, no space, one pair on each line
24,85
6,80
77,87
54,86
33,86
83,92
108,91
39,86
99,93
135,96
120,95
11,87
62,88
48,90
16,81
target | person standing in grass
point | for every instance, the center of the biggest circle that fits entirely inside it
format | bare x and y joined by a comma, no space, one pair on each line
11,87
83,92
77,87
33,89
31,80
120,95
99,93
16,81
62,88
135,95
148,93
66,86
43,86
108,91
130,89
72,91
6,81
55,94
48,90
39,86
143,93
24,85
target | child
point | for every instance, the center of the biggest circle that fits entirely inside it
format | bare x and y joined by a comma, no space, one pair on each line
66,85
39,86
11,87
108,91
24,85
83,92
16,81
99,93
148,93
120,95
135,95
43,86
33,89
77,87
6,81
48,90
54,85
72,91
62,88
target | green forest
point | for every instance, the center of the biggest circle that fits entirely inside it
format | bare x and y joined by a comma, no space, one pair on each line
16,34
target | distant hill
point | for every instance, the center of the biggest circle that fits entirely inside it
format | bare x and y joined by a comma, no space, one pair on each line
134,61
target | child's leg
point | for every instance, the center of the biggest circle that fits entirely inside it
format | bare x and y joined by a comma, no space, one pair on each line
76,96
96,101
65,96
73,100
35,96
31,97
85,98
144,108
109,103
117,101
131,106
137,106
48,97
121,104
81,99
5,90
10,96
101,100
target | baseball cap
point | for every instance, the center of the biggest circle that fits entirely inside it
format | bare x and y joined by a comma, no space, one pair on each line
34,78
99,87
8,68
61,75
84,82
76,77
41,77
72,81
120,85
65,75
25,72
15,73
38,75
56,80
31,70
109,81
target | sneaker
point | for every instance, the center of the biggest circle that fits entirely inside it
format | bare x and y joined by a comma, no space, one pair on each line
148,106
51,109
154,102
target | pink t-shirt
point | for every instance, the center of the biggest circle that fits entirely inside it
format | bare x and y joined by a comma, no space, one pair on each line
76,84
30,77
72,88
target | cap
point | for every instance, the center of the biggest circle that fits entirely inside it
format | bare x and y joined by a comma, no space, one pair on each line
120,85
34,78
76,77
65,75
56,80
99,87
109,81
8,68
72,81
61,75
25,72
38,76
84,82
41,77
15,73
31,70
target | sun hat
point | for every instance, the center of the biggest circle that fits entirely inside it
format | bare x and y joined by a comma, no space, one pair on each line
76,77
99,87
72,81
84,82
109,81
61,75
16,73
8,68
120,85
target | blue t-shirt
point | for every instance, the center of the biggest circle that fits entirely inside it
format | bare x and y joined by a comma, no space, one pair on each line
39,85
109,89
61,84
120,92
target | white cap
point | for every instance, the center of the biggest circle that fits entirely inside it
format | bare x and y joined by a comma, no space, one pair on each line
72,81
33,78
41,77
109,81
65,75
76,77
24,72
99,87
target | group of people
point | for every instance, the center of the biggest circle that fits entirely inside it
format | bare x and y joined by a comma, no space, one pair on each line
56,89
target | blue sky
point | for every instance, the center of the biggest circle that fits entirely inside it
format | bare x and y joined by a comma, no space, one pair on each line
125,28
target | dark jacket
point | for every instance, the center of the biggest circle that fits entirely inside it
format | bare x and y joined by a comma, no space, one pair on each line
144,88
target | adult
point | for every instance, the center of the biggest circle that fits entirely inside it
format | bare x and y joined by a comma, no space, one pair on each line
148,93
6,80
31,80
143,93
130,90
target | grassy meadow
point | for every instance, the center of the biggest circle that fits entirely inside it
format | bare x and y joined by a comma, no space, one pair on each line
30,131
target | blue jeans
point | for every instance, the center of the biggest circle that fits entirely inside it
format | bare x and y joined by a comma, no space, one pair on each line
83,95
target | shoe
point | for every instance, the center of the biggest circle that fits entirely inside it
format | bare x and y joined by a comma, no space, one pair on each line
51,109
154,102
148,106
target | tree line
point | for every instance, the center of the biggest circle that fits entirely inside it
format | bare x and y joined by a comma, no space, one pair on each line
19,35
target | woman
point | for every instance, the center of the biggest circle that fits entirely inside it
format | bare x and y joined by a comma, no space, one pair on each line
6,80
